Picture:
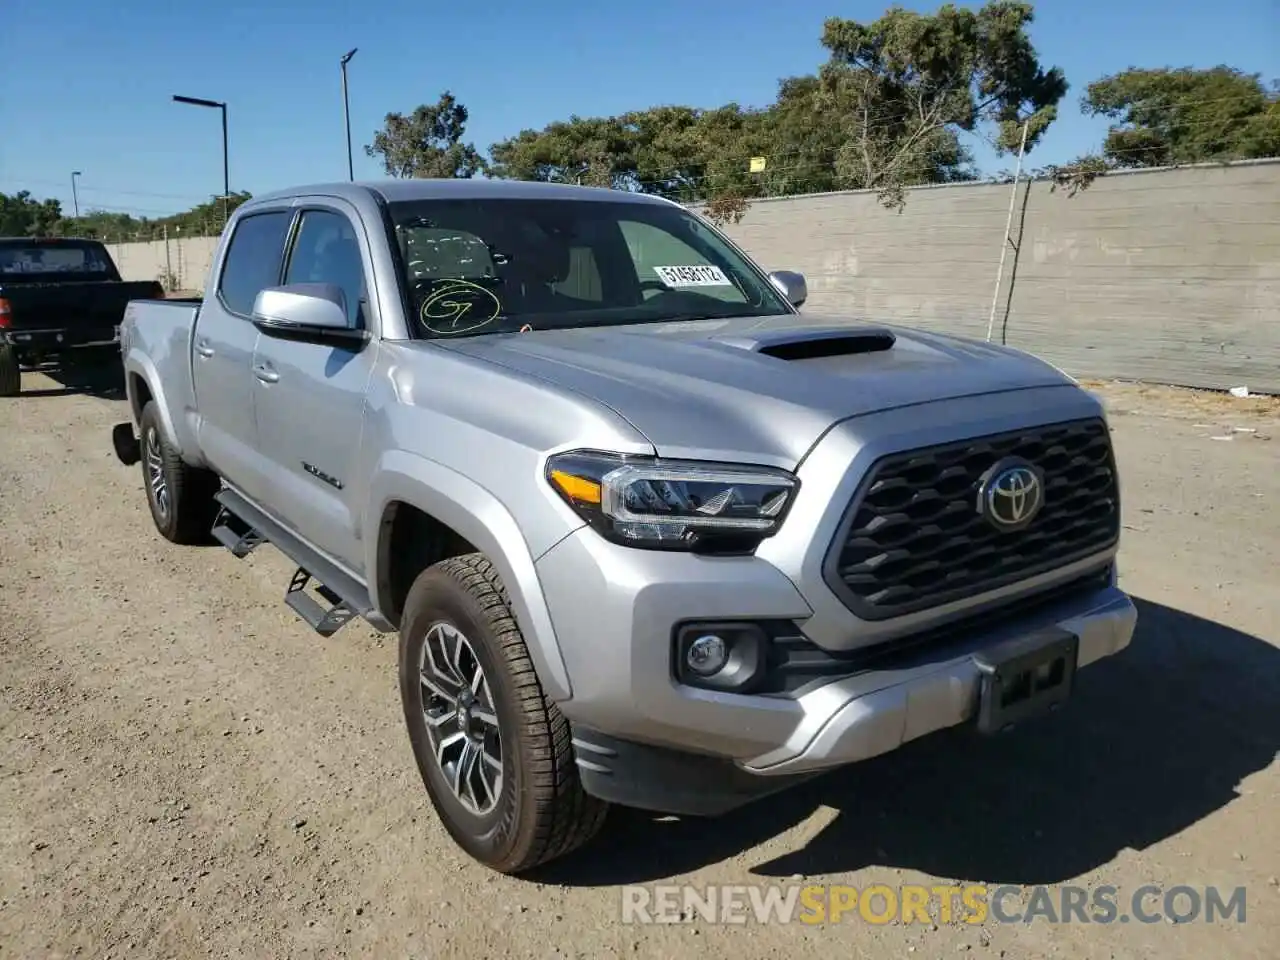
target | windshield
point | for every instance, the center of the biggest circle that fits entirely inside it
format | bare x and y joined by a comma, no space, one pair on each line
53,257
481,266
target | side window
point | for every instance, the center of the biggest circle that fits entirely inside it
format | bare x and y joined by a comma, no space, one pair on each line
252,262
652,248
326,251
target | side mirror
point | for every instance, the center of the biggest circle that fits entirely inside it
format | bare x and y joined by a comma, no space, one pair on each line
311,312
791,285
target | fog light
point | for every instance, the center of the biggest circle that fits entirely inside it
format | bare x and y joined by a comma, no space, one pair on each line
707,655
729,655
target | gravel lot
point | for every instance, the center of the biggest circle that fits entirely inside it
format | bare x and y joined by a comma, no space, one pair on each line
185,770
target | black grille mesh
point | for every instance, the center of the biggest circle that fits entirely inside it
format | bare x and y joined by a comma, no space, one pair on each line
916,538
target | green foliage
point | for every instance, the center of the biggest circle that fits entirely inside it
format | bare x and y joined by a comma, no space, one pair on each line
22,215
905,83
1178,116
427,143
1075,176
884,112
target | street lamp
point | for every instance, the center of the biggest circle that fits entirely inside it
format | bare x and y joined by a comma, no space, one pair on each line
75,198
226,176
346,110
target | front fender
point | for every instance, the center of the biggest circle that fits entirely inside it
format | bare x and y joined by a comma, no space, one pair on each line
474,513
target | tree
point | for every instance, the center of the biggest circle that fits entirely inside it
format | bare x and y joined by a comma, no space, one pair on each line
594,151
427,143
884,112
1175,116
904,84
21,215
683,153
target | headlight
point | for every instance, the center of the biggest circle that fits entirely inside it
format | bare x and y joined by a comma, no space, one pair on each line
673,504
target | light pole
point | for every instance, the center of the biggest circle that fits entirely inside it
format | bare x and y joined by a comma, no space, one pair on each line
346,110
75,197
226,175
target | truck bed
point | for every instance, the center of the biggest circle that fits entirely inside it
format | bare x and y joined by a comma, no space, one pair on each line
160,330
57,293
93,306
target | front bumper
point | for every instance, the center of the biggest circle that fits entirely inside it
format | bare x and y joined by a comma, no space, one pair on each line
863,716
845,721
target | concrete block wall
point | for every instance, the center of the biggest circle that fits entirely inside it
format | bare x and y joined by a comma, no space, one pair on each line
187,259
1171,276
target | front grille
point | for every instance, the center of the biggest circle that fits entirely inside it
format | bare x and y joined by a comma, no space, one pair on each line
915,538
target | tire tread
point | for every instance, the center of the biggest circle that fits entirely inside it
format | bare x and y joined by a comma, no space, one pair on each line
191,489
10,373
566,817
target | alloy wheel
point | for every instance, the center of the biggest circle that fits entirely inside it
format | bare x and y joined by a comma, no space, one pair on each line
462,724
155,474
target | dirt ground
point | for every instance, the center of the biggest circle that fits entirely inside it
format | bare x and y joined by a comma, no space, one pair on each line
186,771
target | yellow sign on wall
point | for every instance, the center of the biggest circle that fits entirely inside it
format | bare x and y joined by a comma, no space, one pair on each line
758,164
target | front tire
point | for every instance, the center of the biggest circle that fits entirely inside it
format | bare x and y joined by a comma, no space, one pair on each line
180,496
10,374
493,750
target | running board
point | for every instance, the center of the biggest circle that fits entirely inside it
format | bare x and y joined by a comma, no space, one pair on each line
241,527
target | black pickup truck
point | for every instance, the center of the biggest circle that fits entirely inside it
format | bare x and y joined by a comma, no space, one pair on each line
56,295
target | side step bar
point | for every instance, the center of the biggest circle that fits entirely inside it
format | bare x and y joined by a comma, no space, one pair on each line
241,527
324,621
236,535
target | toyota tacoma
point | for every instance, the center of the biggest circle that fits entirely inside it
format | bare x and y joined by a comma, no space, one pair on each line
649,536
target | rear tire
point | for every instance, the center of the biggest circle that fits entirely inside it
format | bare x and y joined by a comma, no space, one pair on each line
10,375
469,690
180,496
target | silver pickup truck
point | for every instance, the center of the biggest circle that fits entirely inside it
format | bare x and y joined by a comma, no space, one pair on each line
649,536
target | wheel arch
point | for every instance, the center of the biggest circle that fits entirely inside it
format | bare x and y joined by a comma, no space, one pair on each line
411,495
143,383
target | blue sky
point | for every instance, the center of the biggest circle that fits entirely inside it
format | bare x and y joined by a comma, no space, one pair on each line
87,83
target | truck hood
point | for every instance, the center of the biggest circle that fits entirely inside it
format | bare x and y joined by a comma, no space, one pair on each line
760,389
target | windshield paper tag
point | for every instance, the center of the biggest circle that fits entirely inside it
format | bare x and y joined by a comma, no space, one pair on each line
699,275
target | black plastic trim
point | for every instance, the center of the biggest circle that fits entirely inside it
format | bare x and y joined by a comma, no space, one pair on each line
349,338
665,780
797,665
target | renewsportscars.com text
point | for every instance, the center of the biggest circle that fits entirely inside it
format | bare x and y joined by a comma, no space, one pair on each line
973,904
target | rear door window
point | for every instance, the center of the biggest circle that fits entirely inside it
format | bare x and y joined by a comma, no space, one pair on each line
253,259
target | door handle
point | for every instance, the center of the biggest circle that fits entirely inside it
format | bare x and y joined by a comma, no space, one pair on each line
203,348
265,374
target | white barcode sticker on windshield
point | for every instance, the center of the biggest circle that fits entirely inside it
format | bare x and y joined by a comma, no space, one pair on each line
698,275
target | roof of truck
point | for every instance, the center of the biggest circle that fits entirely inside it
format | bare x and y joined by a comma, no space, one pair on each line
451,189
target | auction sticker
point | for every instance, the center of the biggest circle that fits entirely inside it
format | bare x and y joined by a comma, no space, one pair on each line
698,275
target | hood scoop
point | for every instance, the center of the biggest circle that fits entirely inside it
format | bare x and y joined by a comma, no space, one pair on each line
815,344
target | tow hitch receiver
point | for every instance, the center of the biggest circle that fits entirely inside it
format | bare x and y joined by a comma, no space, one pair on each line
128,447
1025,677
